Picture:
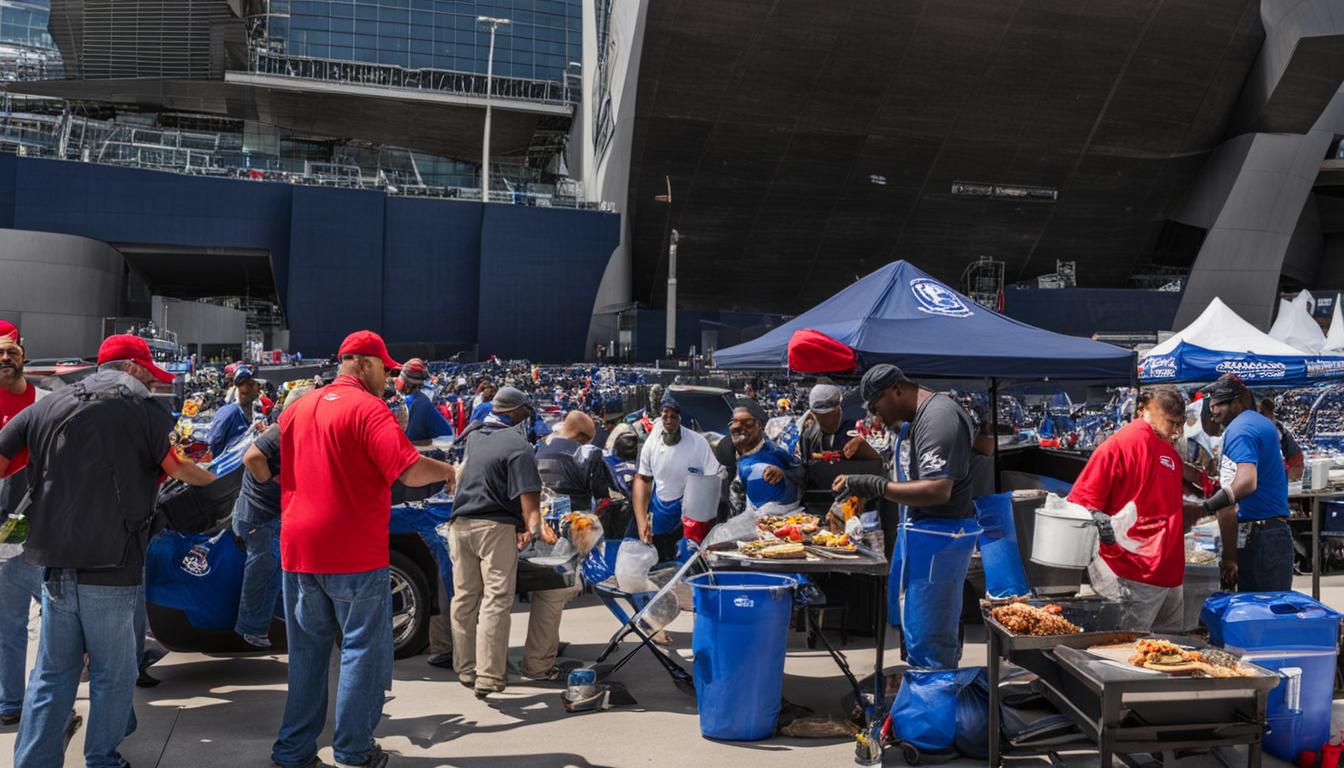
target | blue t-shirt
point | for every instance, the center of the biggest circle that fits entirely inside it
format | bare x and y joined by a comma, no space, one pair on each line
423,420
228,424
481,411
1252,439
751,471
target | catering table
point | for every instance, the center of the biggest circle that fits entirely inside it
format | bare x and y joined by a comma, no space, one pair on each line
864,563
1124,711
1316,497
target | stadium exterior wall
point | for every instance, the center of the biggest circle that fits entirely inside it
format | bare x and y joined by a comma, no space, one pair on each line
57,289
347,259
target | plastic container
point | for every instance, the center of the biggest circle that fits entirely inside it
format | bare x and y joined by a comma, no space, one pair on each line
1201,582
1005,575
1257,621
1288,633
1320,473
700,502
741,630
1065,536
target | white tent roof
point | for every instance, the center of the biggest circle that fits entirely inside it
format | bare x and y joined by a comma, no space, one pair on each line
1220,329
1295,326
1334,340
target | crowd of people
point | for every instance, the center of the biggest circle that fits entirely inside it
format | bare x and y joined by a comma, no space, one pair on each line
323,456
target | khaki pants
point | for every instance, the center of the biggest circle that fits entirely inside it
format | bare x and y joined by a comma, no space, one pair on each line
543,630
485,570
440,627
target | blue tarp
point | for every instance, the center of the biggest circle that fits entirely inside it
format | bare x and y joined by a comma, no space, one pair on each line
1192,363
900,315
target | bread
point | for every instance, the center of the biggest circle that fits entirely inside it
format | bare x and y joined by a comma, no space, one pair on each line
784,551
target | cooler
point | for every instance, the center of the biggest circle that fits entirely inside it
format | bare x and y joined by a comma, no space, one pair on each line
1297,637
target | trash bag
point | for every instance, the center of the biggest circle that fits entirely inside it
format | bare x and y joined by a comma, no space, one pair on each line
735,528
929,709
973,717
595,567
632,566
1005,576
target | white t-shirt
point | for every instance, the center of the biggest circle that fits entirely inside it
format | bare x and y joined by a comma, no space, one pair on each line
669,465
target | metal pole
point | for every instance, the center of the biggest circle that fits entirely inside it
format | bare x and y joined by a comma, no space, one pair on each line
489,78
994,427
672,293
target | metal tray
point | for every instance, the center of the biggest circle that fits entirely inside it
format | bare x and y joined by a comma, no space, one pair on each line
1099,619
862,560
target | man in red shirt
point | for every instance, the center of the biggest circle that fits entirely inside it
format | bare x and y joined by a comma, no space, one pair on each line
341,449
20,582
1139,464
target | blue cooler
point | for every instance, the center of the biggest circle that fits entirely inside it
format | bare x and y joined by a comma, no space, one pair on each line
1288,633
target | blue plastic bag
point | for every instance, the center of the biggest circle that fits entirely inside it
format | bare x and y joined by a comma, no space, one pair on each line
1005,575
935,555
938,710
200,575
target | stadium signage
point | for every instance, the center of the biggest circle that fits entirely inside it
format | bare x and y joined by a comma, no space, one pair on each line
1253,370
1325,367
1158,367
937,299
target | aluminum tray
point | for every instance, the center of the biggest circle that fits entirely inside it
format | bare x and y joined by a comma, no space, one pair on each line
724,557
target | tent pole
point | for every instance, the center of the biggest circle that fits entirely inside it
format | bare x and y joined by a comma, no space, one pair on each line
994,422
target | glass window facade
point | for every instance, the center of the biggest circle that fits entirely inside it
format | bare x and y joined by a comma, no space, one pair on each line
28,52
542,39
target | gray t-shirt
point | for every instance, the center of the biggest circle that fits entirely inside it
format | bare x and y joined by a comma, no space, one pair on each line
940,446
500,468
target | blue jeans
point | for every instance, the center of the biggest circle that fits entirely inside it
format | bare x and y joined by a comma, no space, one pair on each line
1265,564
354,609
261,572
79,619
20,584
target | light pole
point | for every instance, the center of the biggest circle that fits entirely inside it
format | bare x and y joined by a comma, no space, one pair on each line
495,24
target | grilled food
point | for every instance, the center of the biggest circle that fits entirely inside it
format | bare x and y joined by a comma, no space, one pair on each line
1024,619
1157,654
833,541
783,551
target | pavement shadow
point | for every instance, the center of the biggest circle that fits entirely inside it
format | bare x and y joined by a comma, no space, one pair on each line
555,760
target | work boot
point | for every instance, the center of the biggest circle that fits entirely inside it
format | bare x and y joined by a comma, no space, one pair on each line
377,759
441,660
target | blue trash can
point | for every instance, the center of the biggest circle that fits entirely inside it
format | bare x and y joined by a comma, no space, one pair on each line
936,553
1288,633
741,630
1005,576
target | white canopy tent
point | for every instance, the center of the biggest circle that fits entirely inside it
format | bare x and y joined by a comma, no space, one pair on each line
1334,340
1296,327
1221,329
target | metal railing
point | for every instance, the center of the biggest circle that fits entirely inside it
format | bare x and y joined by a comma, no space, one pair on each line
392,76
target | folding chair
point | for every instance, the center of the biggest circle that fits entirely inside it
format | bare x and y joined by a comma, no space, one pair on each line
631,616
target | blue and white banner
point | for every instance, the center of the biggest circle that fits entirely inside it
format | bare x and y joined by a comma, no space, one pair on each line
1189,363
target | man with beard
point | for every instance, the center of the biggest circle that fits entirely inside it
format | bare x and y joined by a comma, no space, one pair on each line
234,419
668,457
1252,505
767,473
20,582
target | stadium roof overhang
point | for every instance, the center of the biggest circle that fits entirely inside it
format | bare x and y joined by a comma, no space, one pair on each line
447,125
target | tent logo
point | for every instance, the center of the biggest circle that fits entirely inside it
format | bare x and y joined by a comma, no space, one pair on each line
197,561
937,299
1324,367
1159,367
1253,369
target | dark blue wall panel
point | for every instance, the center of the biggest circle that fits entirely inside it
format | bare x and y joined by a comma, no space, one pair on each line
348,259
431,271
1085,311
335,266
540,269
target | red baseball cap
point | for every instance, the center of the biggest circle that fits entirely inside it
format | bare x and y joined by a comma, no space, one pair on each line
9,329
370,344
124,346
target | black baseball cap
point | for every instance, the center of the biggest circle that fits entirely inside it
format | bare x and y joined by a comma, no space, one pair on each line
1227,387
879,379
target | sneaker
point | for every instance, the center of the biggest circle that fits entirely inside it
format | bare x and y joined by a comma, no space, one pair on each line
441,660
549,676
315,762
258,641
11,718
484,689
377,759
467,681
146,680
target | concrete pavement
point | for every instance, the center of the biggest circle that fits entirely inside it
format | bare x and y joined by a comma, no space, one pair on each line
212,712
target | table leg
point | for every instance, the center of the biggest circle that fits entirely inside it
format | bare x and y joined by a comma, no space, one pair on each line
992,672
1315,548
880,638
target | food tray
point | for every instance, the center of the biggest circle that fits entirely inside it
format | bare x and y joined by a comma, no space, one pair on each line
725,556
1099,619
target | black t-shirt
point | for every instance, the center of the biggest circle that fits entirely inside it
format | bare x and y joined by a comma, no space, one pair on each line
940,446
574,470
105,467
813,440
500,468
263,499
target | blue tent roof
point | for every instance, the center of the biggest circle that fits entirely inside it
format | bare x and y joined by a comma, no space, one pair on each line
900,315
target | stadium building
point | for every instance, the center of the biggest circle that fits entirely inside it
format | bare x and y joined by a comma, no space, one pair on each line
315,164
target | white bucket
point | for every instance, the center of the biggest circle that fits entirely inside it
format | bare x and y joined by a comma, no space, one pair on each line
700,502
1063,538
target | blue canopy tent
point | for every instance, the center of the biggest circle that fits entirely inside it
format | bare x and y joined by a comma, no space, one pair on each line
900,315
